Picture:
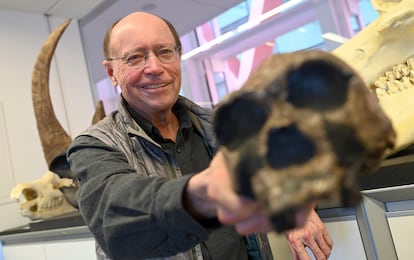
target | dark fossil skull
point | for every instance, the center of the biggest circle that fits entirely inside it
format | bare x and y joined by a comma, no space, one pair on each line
300,129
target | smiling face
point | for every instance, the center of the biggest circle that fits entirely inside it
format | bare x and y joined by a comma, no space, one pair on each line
154,88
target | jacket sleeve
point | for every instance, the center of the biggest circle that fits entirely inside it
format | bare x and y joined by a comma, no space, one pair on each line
130,214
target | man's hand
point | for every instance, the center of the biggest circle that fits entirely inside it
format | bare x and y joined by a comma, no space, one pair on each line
211,194
313,235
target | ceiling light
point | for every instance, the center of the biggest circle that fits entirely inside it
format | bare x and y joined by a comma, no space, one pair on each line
334,37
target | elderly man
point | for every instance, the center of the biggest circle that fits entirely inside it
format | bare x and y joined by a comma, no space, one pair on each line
151,181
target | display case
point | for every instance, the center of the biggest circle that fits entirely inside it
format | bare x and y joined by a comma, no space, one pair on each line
380,227
385,215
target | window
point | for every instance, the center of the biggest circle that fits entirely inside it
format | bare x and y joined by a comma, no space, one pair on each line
236,42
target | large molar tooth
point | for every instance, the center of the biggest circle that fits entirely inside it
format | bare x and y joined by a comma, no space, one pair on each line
405,70
407,82
381,83
381,92
400,71
390,75
395,86
411,77
410,63
397,72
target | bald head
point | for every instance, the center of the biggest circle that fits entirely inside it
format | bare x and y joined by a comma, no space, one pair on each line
138,20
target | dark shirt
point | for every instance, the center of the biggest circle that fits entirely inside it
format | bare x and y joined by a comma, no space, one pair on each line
192,157
189,150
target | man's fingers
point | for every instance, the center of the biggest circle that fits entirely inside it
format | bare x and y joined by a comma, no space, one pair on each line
318,250
298,251
325,243
328,239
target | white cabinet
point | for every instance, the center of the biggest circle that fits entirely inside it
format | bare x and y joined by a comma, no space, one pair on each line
401,224
28,251
72,243
380,227
344,232
79,249
347,239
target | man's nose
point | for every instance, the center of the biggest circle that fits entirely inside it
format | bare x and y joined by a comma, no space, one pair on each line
152,61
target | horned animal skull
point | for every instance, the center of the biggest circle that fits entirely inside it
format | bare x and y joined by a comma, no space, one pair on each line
42,198
300,129
383,54
55,140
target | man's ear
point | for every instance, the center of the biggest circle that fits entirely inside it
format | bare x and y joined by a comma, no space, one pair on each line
110,72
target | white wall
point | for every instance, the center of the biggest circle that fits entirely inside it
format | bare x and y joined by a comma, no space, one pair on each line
22,160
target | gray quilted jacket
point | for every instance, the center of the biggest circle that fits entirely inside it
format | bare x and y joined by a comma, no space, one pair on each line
157,226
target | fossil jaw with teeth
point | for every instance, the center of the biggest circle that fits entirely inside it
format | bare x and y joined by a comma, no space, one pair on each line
400,78
383,54
395,92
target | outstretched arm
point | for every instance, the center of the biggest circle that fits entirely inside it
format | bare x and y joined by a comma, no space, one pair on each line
211,194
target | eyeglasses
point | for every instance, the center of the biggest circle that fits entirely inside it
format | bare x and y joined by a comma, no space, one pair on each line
139,58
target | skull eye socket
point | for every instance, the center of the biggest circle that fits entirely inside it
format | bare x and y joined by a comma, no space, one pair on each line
240,119
318,85
30,194
288,146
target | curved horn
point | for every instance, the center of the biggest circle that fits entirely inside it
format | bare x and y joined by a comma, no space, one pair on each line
99,112
53,137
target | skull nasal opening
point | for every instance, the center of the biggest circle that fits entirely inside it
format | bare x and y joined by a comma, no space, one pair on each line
287,146
318,85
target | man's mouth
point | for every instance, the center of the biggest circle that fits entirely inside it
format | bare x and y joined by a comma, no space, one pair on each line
155,86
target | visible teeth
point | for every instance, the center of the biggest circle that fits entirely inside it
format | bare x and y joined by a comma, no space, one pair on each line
53,203
392,87
381,92
404,69
410,63
406,81
411,75
154,86
389,75
401,77
381,83
396,72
